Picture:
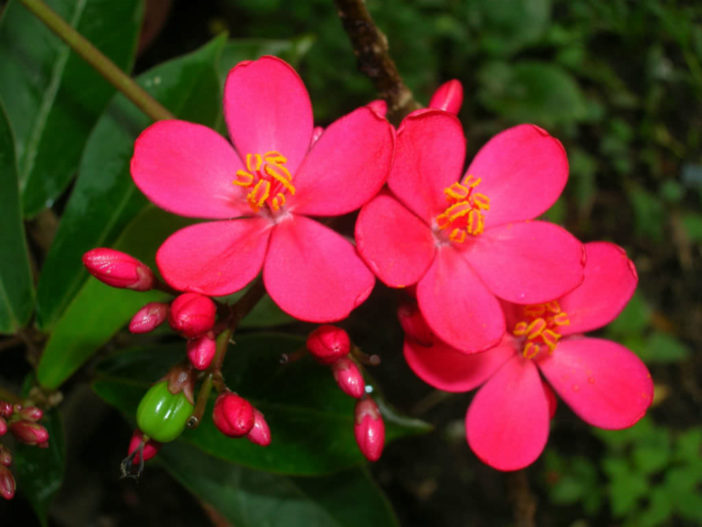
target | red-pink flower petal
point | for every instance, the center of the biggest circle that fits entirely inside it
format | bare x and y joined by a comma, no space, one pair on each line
396,245
522,170
429,155
450,370
527,262
507,421
214,258
188,169
610,280
313,273
267,108
457,305
346,166
448,97
603,382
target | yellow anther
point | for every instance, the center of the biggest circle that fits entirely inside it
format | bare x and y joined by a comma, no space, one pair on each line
457,235
534,310
470,181
457,210
443,221
278,201
476,222
253,162
520,328
280,178
531,350
275,157
258,196
561,319
553,306
457,191
244,179
535,328
481,201
550,338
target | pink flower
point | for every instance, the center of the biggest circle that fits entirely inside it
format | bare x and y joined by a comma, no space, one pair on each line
467,243
262,191
604,383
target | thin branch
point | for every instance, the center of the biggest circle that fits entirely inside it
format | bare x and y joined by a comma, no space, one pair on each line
522,498
372,51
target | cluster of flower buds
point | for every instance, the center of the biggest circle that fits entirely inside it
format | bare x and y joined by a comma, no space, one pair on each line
331,346
234,416
22,423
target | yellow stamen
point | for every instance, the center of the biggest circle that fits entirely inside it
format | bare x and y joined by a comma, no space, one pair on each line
257,197
550,338
457,191
280,178
561,319
457,235
256,165
531,350
535,328
244,179
520,328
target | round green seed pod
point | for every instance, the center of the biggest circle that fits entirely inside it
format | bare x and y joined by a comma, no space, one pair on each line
161,415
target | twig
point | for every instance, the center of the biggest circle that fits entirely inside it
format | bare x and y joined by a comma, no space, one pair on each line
522,498
371,49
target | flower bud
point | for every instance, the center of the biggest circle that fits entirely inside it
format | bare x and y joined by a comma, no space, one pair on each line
5,409
414,325
5,456
259,434
369,429
149,450
448,97
148,317
3,426
201,351
348,377
28,432
118,269
31,413
233,415
7,483
328,344
192,314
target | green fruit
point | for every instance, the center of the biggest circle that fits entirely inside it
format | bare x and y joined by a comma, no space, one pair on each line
162,415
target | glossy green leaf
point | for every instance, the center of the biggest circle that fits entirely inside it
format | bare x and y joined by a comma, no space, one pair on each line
105,199
53,96
98,311
16,291
39,471
311,420
252,498
531,91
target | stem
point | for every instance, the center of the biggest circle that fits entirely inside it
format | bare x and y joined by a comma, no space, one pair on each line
523,499
370,46
98,60
246,303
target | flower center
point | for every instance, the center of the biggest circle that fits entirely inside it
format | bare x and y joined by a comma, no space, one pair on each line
268,179
464,214
540,328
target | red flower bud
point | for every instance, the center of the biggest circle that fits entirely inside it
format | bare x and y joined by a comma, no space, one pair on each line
328,344
348,377
7,483
148,317
259,434
29,433
150,449
192,315
3,426
369,429
448,97
201,351
5,456
118,269
31,413
414,325
5,409
233,415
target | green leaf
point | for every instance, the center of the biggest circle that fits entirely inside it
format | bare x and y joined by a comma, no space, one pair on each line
632,320
251,498
53,96
663,348
105,198
311,420
531,91
39,471
98,311
16,291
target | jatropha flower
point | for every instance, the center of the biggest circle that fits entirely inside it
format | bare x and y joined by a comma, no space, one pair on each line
604,383
262,191
467,243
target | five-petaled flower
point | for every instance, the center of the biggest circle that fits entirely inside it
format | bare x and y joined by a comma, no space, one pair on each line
465,243
262,190
604,383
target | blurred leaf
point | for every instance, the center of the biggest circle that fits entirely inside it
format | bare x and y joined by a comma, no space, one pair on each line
649,213
626,486
98,311
16,291
105,198
53,96
652,452
633,319
574,480
530,91
692,223
266,314
311,420
663,348
683,486
250,498
39,471
236,50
